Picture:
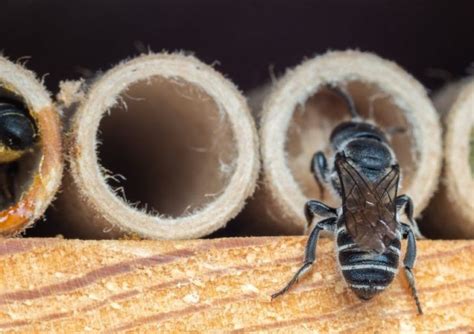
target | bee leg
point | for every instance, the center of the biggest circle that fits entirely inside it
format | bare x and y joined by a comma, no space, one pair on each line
314,208
319,168
409,262
310,253
405,202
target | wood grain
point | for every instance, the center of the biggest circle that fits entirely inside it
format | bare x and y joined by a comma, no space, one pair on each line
55,285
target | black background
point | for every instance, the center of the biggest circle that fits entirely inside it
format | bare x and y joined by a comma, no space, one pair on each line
68,39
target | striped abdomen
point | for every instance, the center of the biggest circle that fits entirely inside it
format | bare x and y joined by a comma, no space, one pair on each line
367,273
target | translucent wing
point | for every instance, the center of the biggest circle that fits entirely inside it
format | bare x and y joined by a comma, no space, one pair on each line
387,188
368,209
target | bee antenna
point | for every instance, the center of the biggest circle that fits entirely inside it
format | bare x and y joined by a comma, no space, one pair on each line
342,92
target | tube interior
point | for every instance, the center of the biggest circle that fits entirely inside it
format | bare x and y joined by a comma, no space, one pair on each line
17,176
313,122
166,148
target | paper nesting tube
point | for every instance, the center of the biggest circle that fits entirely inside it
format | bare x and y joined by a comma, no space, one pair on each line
451,213
183,139
298,115
39,171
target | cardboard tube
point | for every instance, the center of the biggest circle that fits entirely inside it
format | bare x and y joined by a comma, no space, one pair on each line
161,146
298,116
39,171
451,213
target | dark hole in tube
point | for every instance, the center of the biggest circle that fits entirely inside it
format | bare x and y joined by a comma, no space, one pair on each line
166,147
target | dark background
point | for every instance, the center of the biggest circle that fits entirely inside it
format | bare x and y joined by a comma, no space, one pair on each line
246,40
68,39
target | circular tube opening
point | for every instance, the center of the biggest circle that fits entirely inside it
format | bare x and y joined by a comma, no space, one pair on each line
166,148
313,121
182,137
451,212
299,115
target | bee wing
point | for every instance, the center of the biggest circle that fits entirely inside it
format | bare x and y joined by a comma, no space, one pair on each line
368,209
387,188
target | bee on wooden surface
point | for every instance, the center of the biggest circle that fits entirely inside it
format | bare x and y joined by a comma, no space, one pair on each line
18,135
365,174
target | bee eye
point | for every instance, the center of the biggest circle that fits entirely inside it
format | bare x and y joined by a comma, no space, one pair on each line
17,132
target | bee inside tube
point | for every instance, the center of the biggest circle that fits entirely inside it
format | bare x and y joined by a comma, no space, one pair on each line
18,136
30,149
299,113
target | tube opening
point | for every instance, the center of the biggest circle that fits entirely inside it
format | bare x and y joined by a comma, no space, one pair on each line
20,151
313,122
166,147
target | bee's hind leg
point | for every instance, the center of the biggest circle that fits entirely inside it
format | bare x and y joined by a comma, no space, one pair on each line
405,202
310,253
314,208
409,262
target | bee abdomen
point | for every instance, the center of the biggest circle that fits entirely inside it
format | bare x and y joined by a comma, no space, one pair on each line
367,273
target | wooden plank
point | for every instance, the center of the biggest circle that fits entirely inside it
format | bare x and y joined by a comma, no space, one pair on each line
55,285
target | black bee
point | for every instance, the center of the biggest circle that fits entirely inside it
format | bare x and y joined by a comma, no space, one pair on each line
18,134
367,228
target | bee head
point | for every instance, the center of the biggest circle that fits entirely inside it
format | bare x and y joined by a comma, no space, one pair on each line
348,131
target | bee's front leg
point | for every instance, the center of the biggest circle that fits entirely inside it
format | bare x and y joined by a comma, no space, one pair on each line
319,168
